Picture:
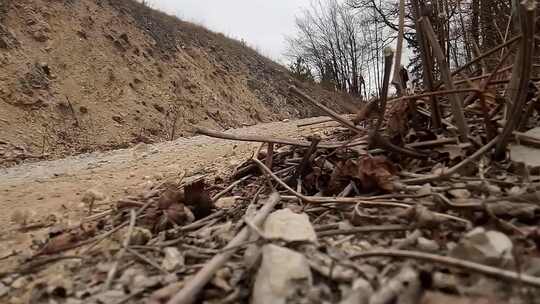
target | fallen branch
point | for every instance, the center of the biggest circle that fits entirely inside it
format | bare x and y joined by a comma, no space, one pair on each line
364,229
494,272
346,123
292,142
229,188
455,168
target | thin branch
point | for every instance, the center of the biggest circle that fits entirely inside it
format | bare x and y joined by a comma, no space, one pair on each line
455,168
255,138
112,272
457,107
497,273
364,229
520,74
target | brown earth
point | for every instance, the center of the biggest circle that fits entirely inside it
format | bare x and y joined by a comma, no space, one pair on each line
86,75
54,189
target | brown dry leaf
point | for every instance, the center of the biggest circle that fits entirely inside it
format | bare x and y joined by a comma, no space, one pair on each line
198,199
169,197
179,214
373,172
68,240
60,243
397,117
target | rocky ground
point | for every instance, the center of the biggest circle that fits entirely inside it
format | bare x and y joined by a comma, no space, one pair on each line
57,187
92,75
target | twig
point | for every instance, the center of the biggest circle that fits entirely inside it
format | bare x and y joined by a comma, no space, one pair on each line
364,229
7,256
112,272
320,121
229,188
483,55
270,156
455,168
397,81
457,108
410,240
190,291
146,260
346,123
35,264
255,138
494,272
380,140
388,58
520,74
433,143
73,112
427,65
300,171
132,295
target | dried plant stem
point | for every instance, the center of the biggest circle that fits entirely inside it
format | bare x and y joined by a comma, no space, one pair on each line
112,272
484,55
380,140
520,74
343,121
454,169
427,65
364,229
397,81
494,272
388,58
230,187
255,138
457,107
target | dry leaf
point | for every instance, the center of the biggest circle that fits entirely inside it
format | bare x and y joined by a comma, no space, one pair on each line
373,172
198,199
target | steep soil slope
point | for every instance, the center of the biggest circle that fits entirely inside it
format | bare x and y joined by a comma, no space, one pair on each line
85,75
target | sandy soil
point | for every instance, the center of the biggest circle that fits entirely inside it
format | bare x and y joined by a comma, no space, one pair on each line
56,187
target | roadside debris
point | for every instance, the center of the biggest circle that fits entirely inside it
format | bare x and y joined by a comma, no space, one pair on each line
354,214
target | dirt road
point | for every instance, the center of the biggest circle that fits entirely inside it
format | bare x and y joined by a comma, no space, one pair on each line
54,187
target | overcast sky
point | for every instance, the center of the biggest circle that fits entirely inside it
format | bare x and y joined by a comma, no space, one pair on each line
261,23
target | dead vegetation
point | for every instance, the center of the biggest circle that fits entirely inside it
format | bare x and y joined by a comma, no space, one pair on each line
369,213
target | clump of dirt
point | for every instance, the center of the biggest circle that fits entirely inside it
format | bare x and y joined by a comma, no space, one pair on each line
131,74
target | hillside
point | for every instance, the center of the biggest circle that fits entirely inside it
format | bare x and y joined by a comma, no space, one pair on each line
86,75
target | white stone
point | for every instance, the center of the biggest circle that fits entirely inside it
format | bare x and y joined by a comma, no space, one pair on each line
226,202
287,225
486,247
282,273
173,259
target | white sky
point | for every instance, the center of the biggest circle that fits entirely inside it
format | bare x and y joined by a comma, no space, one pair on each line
261,23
